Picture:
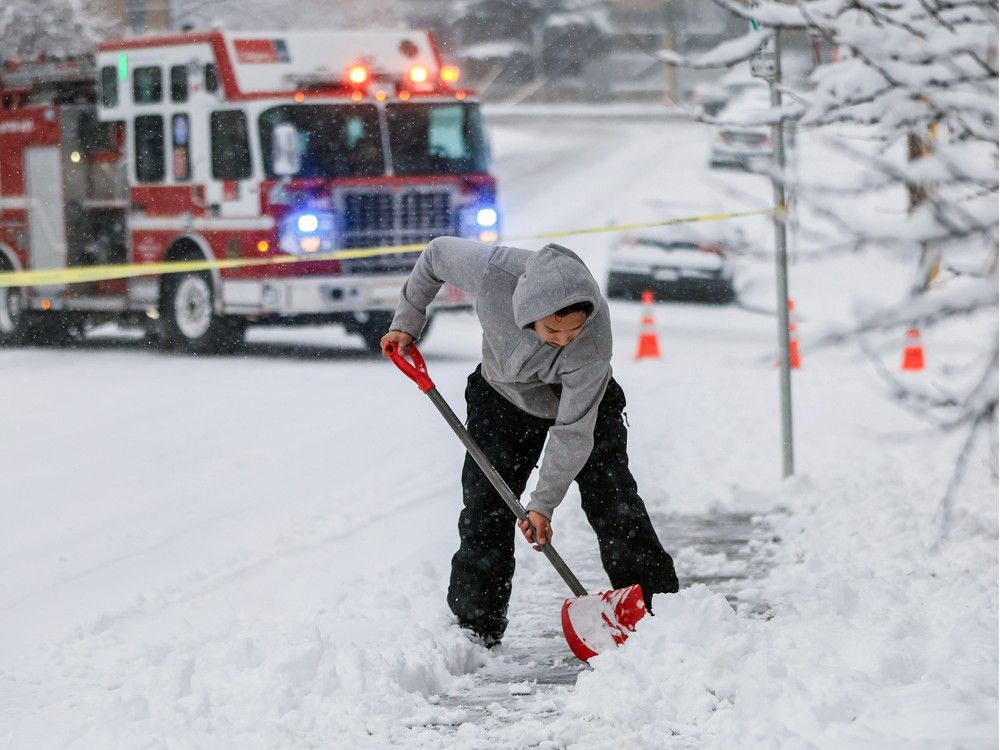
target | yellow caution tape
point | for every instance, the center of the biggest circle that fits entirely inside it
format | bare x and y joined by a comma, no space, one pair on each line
647,224
85,274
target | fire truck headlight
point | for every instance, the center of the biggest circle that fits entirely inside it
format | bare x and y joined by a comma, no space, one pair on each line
486,217
307,223
308,232
480,221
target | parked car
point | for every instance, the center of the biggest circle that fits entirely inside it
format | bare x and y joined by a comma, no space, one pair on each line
712,96
742,141
674,263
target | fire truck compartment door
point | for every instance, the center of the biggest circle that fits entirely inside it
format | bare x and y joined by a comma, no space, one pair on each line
46,216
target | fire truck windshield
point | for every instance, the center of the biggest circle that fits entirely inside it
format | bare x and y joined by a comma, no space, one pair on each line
437,138
335,140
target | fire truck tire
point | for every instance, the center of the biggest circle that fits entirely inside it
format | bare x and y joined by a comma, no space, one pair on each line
190,323
13,322
374,328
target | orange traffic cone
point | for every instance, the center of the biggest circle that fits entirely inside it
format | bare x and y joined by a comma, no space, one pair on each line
649,344
794,358
913,354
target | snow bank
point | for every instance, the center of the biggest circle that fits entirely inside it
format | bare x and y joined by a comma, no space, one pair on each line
366,668
872,641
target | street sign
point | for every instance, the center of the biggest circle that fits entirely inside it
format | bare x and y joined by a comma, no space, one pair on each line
764,63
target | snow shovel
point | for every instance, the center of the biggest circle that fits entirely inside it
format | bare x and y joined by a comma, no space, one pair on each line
592,623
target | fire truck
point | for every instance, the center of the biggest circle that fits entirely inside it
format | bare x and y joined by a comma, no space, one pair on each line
235,146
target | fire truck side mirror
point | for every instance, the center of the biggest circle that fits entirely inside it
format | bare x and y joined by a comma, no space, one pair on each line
286,158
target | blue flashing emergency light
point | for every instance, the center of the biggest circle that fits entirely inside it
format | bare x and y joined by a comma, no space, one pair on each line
307,223
311,231
486,217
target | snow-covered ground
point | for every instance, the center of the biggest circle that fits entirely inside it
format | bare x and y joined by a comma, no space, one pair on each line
252,551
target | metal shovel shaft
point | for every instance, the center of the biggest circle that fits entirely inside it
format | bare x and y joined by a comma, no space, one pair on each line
417,372
501,486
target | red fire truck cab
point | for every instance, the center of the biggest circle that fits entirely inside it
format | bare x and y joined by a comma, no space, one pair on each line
218,145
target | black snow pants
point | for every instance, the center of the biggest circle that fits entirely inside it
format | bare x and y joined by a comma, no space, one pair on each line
482,569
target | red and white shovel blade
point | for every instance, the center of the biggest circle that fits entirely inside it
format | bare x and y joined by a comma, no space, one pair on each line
599,622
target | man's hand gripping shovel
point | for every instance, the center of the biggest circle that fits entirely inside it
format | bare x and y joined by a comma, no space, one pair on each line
592,623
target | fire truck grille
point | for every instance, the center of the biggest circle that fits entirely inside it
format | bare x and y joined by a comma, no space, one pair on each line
424,215
372,218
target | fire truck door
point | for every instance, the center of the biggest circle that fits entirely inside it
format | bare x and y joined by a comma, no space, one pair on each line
46,215
231,192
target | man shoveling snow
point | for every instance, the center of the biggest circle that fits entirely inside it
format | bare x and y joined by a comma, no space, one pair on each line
546,371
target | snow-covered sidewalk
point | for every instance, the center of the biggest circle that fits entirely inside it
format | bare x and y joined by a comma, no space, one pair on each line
273,606
528,678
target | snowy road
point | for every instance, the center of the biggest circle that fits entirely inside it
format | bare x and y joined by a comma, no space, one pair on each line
252,551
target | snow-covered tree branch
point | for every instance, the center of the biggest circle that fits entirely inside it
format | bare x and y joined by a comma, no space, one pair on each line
57,28
909,101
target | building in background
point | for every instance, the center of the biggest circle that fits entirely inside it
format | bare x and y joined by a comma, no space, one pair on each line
511,50
632,70
529,50
139,16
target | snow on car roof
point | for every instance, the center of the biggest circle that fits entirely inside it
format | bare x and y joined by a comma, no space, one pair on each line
678,255
748,108
489,50
696,234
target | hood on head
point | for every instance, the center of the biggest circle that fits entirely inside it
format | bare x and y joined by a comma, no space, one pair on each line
554,277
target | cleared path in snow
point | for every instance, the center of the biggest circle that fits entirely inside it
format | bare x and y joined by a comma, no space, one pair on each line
533,667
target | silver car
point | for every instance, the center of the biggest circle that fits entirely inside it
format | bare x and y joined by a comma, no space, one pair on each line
712,96
743,140
674,263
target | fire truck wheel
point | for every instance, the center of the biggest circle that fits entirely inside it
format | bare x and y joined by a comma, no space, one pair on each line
190,321
12,319
373,328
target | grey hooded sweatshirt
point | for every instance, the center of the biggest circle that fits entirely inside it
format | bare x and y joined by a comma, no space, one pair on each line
513,289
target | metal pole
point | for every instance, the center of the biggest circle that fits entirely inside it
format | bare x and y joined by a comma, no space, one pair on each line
781,267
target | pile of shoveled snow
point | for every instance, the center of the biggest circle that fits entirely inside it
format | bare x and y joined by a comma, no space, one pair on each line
872,640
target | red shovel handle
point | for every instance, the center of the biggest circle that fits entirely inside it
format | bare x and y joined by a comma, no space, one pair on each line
417,372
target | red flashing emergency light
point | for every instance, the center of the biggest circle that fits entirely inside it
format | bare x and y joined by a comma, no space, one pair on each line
419,74
357,75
